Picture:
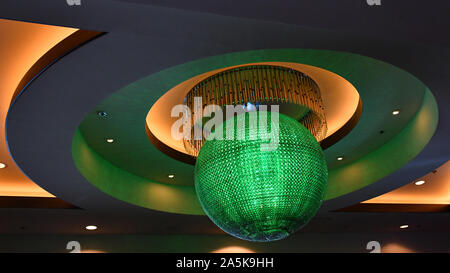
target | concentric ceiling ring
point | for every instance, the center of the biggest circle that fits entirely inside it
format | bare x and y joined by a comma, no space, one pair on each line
341,100
140,179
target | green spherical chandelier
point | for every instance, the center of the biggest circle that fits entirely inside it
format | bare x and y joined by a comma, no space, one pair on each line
262,195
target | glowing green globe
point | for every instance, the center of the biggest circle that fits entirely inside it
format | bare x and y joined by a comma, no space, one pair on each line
262,195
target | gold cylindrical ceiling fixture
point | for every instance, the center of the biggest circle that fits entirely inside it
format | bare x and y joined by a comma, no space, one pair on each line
261,85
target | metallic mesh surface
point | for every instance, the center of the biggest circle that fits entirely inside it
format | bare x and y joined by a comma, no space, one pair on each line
259,84
262,195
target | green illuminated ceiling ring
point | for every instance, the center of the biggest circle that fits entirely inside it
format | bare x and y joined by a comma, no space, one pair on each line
133,170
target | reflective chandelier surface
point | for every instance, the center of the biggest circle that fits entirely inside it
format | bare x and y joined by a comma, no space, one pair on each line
251,193
262,195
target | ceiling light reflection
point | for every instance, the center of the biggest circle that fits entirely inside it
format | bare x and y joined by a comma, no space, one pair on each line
233,249
91,227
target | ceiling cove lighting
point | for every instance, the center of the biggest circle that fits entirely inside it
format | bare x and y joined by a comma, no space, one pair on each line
233,249
262,195
91,227
419,183
2,165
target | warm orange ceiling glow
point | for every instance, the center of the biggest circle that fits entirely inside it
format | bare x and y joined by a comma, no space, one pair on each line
339,96
395,248
22,44
435,190
92,251
233,249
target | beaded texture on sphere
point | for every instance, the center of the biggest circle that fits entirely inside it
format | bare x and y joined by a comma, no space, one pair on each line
262,195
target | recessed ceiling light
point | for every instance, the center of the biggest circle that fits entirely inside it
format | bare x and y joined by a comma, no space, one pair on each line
171,176
396,112
110,140
2,165
421,182
340,158
91,227
102,113
404,226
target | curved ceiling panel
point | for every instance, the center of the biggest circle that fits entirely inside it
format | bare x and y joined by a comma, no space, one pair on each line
130,168
433,188
341,101
125,57
22,46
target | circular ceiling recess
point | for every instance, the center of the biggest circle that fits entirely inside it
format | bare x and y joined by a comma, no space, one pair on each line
341,102
359,94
